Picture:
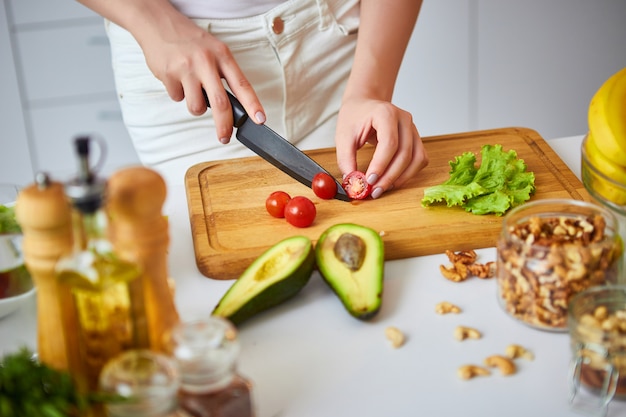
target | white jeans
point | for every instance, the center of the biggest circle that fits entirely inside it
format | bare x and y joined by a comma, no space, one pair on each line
298,74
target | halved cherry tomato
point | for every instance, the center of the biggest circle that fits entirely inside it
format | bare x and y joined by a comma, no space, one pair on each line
276,202
300,212
356,185
324,186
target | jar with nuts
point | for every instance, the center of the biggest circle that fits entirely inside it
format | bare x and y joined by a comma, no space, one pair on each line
550,250
597,327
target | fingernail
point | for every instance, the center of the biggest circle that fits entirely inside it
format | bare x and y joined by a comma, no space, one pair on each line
260,117
372,179
378,191
224,140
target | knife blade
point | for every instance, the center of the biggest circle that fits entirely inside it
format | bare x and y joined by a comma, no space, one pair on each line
275,149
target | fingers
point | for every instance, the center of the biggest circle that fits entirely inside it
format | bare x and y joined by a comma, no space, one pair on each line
346,153
204,63
399,153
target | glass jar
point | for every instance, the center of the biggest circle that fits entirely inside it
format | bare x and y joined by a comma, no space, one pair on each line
141,383
606,191
548,251
597,327
206,352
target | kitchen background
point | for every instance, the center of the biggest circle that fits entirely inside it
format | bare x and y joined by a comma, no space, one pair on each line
471,64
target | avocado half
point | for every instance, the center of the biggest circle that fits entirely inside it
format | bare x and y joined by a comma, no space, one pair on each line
274,277
351,259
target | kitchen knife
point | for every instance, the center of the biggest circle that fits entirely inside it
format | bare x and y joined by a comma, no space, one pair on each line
275,149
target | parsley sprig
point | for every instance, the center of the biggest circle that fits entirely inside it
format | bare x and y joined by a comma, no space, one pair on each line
29,388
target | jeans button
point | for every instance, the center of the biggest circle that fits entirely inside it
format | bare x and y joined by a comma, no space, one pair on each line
278,25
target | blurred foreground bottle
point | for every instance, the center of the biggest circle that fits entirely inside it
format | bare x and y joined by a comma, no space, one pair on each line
105,300
206,353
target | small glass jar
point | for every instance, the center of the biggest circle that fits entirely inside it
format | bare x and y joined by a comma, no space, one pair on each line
606,191
597,327
548,251
206,352
141,383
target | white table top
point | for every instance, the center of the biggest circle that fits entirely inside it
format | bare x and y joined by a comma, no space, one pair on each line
308,357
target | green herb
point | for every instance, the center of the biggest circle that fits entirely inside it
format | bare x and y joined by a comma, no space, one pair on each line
498,184
31,389
8,223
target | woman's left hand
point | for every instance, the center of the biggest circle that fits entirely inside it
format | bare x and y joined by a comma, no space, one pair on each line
399,153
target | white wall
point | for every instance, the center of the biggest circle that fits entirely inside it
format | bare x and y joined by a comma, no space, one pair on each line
481,64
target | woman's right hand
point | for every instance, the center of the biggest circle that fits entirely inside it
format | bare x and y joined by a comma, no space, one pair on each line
187,59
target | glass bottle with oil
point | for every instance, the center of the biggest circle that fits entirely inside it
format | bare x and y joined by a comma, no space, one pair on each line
105,307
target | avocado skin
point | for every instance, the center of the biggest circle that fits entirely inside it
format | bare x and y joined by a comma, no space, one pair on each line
347,284
280,291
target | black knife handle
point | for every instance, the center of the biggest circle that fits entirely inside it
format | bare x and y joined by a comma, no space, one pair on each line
239,113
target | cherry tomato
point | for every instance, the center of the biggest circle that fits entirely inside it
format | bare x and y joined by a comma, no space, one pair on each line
324,186
300,212
276,202
356,185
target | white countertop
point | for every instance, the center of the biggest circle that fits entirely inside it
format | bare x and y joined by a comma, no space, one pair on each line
309,357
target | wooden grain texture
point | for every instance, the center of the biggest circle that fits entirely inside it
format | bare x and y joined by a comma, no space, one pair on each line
231,227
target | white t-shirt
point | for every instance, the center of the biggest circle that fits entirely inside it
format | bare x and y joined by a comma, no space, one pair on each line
223,9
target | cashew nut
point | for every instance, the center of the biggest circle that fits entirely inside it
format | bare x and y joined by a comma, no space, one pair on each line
462,333
506,365
517,351
395,336
470,371
445,307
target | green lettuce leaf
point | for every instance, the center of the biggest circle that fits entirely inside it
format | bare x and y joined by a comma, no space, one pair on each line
500,183
8,223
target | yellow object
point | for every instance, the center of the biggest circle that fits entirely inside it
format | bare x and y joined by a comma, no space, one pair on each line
607,119
602,177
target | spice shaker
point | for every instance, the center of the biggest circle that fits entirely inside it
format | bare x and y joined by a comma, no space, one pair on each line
44,215
141,383
206,352
139,233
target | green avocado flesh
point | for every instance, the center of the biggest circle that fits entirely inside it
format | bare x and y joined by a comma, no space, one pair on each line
351,259
274,277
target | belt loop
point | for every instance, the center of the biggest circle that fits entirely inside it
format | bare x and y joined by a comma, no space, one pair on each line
326,16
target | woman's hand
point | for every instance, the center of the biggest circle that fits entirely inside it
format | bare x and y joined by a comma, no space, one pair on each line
185,57
399,153
367,115
188,59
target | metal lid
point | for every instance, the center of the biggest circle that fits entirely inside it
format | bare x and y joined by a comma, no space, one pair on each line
86,191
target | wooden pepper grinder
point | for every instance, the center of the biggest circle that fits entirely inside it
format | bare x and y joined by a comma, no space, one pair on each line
139,232
44,215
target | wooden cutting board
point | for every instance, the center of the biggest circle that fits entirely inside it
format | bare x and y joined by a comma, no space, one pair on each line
231,227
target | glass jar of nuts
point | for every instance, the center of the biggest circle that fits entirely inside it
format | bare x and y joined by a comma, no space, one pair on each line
548,251
597,327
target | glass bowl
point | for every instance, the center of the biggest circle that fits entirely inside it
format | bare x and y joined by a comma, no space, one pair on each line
597,328
605,191
548,251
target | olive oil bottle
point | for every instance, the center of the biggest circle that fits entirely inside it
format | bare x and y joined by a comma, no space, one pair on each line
105,299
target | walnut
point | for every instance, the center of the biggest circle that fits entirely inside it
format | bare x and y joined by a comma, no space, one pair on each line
464,266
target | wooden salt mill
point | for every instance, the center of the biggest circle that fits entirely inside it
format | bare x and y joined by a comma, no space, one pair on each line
139,232
44,214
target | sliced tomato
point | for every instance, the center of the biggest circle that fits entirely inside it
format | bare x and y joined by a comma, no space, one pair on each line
356,185
324,186
276,202
300,212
